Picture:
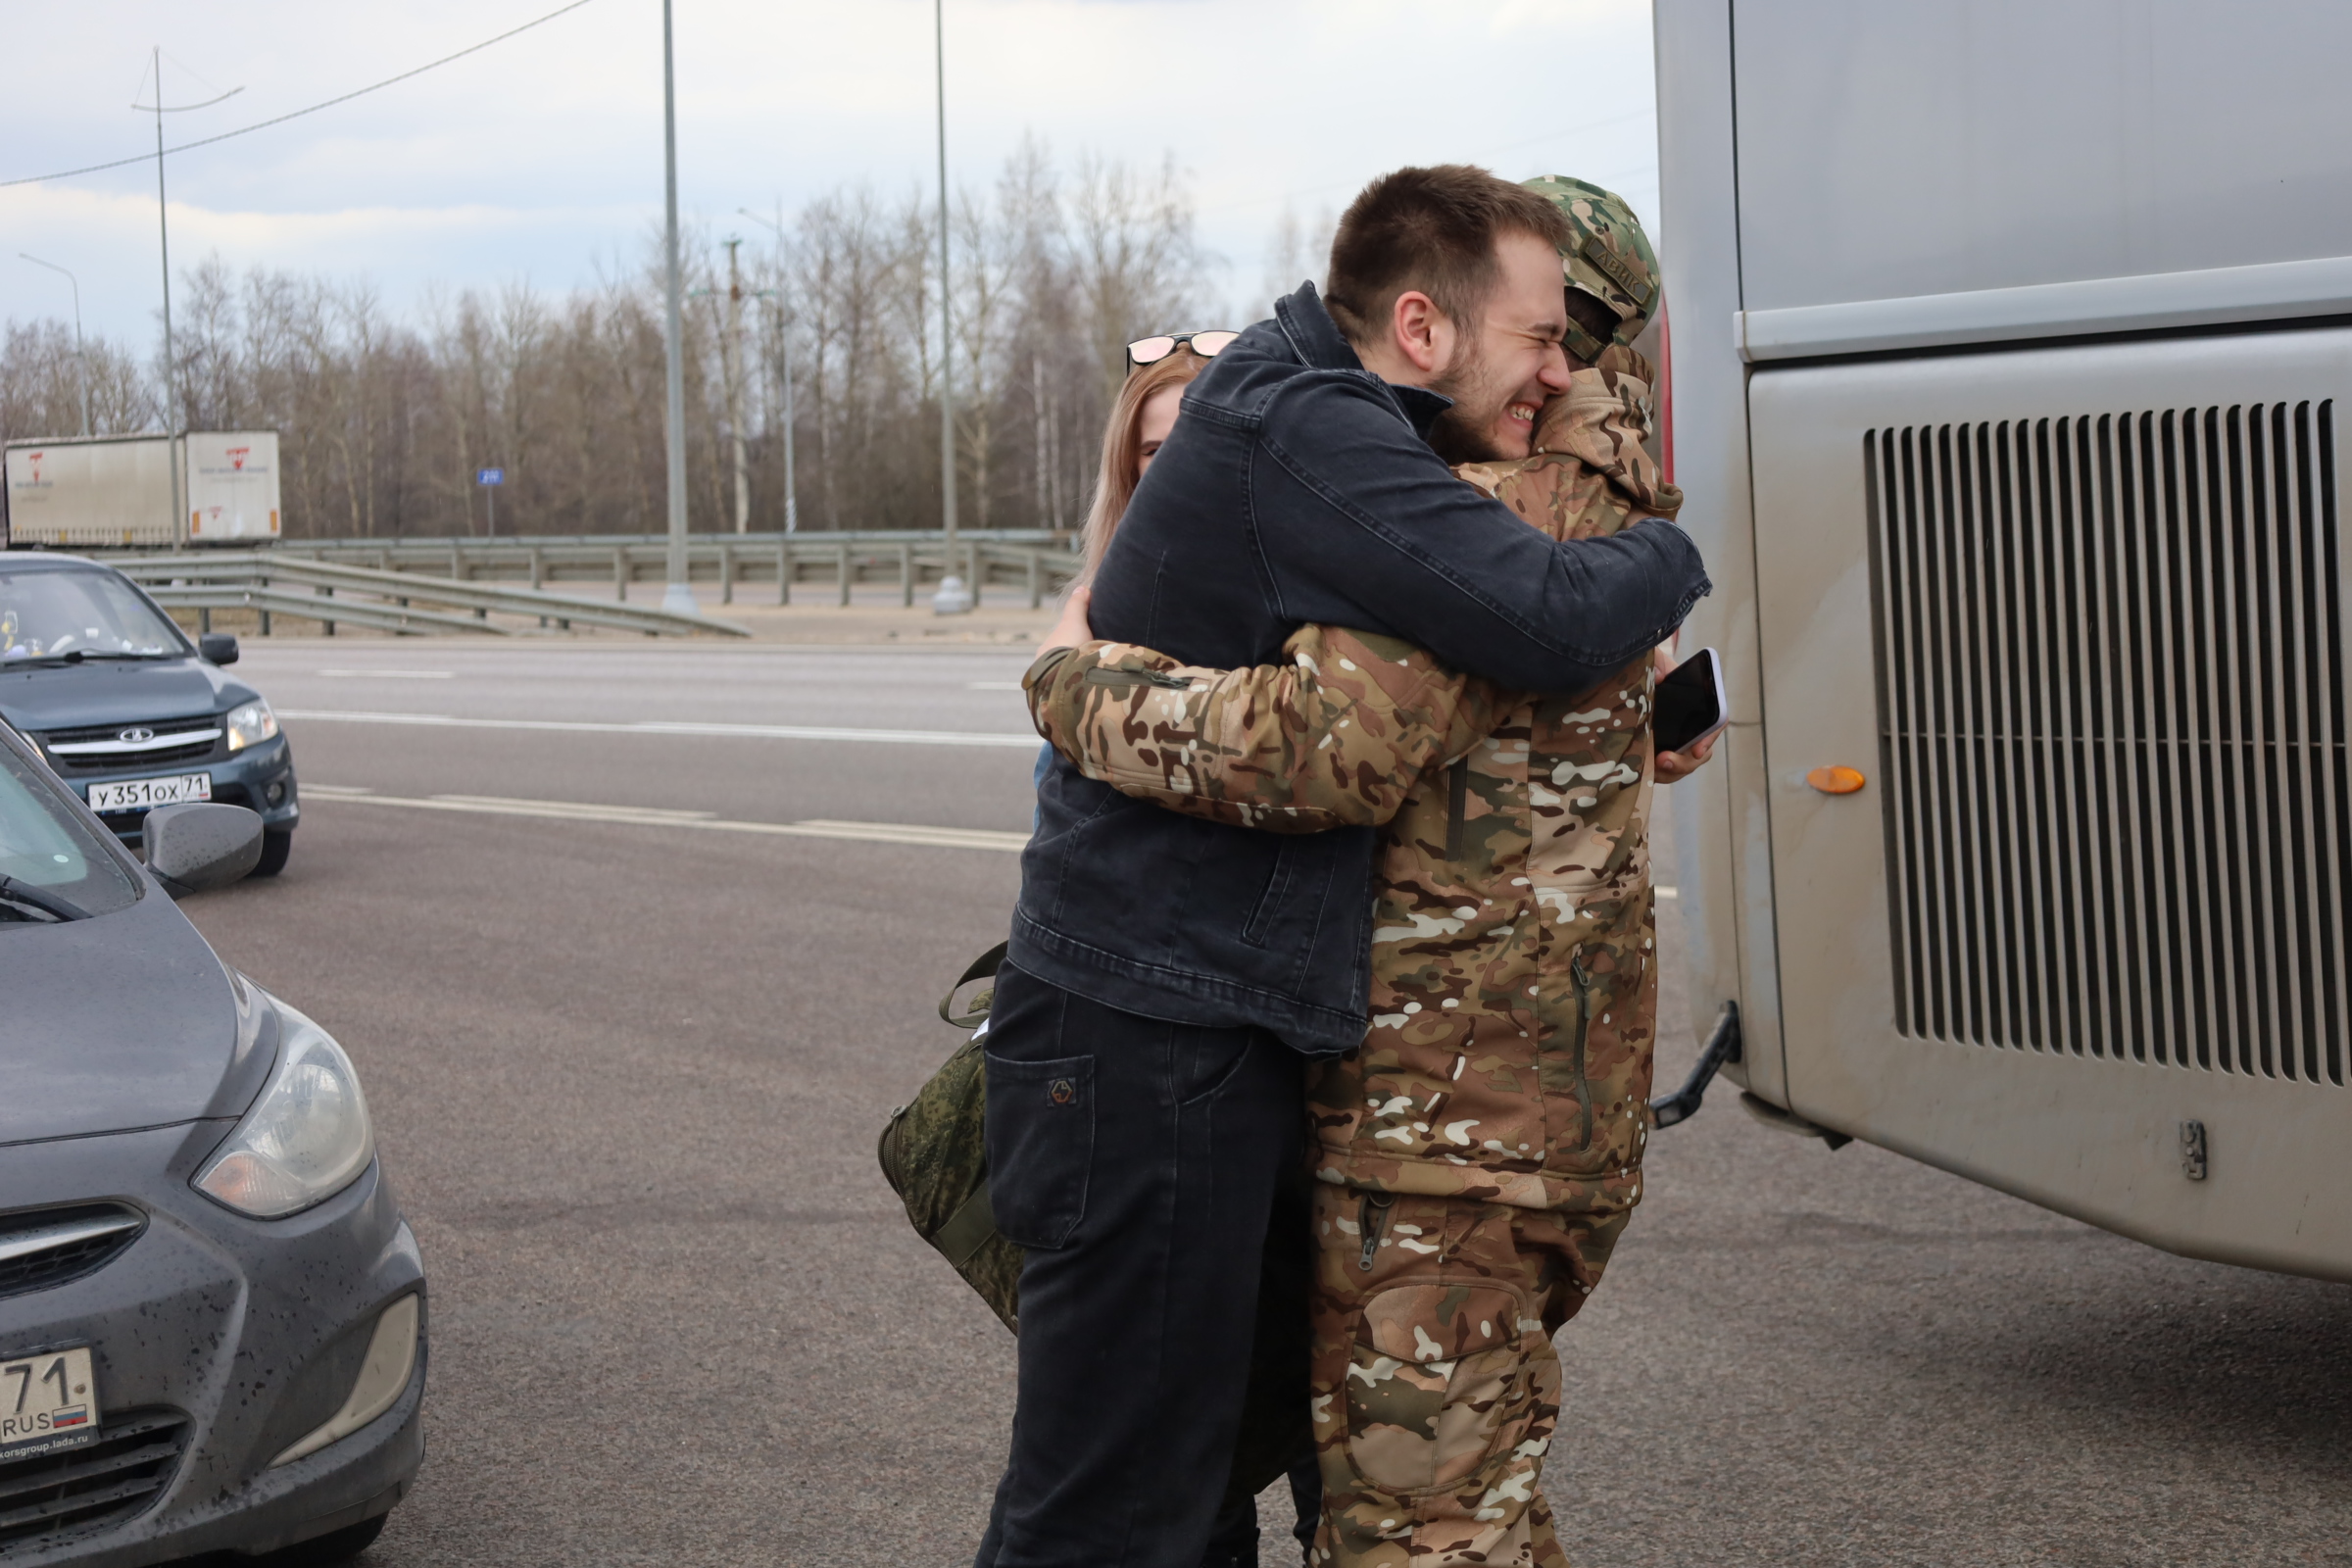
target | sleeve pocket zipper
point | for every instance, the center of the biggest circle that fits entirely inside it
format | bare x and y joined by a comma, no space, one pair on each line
1101,675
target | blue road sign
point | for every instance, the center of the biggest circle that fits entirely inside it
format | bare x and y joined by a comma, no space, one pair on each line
491,476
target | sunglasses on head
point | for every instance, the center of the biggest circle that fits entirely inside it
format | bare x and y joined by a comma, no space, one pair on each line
1151,350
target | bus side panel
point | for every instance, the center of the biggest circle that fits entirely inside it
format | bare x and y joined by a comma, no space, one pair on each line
1889,151
2077,616
1723,864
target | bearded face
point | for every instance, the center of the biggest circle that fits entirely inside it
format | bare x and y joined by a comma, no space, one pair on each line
1486,403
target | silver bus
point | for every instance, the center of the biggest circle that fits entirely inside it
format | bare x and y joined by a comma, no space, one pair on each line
2009,345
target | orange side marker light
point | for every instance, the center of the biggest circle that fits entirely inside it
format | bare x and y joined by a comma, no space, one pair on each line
1835,780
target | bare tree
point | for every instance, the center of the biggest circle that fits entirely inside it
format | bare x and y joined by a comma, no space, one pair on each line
1134,261
1299,250
383,420
41,379
987,285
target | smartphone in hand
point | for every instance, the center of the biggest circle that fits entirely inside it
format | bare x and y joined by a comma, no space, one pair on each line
1690,703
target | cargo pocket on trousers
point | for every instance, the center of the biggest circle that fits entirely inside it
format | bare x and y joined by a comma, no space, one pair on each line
1041,1146
1434,1373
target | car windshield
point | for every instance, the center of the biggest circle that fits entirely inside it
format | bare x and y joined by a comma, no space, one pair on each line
47,845
49,612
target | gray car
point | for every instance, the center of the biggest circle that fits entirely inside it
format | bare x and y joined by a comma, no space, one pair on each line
128,711
212,1315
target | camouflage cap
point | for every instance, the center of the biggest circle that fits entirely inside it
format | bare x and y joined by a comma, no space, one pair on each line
1610,260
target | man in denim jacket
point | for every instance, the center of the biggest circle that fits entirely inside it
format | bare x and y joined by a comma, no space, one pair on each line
1167,974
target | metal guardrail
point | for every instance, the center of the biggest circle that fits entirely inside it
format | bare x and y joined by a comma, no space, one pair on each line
1030,562
279,584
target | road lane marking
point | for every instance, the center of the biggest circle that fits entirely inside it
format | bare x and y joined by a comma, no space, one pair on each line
390,675
659,813
944,838
775,732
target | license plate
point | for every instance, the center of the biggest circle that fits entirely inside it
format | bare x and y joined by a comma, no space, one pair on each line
47,1401
140,794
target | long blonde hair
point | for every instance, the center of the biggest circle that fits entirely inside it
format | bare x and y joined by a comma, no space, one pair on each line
1122,447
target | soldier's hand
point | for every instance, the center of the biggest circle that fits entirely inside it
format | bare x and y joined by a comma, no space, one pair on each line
1072,628
1676,766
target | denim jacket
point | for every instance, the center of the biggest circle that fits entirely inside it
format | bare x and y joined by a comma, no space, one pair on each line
1298,487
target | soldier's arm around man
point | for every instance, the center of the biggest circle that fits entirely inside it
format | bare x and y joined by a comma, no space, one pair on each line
1336,734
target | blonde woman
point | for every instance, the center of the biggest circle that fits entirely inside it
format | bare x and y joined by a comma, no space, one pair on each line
1142,416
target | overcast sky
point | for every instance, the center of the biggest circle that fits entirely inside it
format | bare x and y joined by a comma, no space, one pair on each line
540,158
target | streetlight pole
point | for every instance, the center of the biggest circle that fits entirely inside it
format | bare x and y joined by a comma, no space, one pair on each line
677,597
731,372
730,365
792,494
172,440
953,598
792,489
81,356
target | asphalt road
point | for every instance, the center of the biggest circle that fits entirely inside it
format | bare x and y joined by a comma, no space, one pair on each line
627,1073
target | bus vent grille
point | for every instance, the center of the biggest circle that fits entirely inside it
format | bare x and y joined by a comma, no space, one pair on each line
2112,731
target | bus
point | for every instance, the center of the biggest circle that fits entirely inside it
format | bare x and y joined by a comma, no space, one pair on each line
2008,344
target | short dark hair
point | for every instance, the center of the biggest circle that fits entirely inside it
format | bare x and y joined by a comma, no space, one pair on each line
1433,230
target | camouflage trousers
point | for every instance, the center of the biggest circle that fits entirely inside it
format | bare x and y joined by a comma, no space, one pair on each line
1436,1389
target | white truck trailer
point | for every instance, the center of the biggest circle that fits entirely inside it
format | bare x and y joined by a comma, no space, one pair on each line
2007,338
118,490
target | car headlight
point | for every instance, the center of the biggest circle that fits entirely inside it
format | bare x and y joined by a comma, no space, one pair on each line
307,1136
249,724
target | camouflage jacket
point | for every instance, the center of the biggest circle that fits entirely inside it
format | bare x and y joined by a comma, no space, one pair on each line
1514,978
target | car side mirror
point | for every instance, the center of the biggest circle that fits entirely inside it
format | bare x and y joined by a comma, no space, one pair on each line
218,647
199,844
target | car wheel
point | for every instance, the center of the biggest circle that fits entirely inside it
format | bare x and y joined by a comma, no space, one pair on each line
323,1551
276,843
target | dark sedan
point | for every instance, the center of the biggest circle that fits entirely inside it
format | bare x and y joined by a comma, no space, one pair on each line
212,1315
127,710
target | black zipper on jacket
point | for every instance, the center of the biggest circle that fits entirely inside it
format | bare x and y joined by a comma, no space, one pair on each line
1457,807
1583,979
1370,1221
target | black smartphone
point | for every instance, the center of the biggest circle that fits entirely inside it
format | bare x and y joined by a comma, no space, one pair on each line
1690,705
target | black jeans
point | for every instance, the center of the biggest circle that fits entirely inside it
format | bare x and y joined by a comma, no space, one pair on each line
1138,1162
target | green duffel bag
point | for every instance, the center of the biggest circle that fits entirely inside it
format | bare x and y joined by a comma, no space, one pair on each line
934,1155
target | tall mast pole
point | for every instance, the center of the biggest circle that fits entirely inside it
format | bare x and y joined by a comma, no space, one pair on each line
81,356
677,595
953,597
163,220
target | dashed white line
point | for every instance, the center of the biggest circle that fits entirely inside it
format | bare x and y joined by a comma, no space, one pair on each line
769,732
944,838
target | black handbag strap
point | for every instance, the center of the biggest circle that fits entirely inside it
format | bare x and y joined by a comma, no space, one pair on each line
983,968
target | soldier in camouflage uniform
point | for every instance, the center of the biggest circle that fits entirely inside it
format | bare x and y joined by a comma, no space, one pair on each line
1479,1153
